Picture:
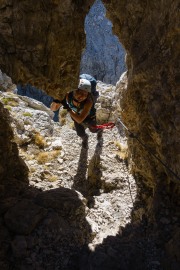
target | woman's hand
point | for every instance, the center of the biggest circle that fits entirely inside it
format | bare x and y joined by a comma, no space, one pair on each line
55,106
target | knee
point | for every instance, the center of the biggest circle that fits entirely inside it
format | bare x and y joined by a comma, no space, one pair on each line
93,130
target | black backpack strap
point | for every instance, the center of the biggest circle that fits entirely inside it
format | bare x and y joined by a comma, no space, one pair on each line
56,101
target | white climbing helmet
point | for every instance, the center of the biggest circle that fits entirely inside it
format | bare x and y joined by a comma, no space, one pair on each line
84,85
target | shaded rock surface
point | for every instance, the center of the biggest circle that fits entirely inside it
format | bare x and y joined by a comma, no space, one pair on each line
150,104
32,92
34,42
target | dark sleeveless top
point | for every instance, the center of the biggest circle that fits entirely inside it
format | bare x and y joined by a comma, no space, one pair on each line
78,109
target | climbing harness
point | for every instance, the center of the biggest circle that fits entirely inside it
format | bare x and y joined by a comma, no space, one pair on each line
104,126
132,135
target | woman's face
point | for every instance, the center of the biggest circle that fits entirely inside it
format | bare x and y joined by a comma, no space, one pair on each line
80,95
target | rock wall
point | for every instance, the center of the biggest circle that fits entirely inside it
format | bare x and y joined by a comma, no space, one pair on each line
103,56
148,30
150,104
41,42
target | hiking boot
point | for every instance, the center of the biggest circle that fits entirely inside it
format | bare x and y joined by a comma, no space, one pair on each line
85,141
99,134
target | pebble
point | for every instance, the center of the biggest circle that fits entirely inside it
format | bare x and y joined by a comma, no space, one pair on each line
60,160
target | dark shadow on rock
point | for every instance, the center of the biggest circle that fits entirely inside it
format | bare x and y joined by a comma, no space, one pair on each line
94,173
80,179
88,177
13,170
38,229
145,243
44,230
126,251
48,230
37,94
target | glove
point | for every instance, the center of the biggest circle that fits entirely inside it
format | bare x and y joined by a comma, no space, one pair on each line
66,107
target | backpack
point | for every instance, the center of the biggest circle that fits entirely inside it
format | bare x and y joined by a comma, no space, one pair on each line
93,81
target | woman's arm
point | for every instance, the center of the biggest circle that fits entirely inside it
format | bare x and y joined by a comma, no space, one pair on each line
79,118
56,104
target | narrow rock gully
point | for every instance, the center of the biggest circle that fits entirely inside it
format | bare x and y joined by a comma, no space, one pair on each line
81,208
100,176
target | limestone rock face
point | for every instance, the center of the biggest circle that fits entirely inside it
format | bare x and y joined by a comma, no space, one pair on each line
6,83
104,102
150,104
41,42
104,56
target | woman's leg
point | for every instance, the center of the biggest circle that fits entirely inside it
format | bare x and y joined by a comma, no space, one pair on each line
80,130
91,123
99,131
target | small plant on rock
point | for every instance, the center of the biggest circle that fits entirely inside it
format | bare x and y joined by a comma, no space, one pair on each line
39,140
8,107
10,102
27,114
62,117
71,125
44,157
122,152
52,178
63,113
62,121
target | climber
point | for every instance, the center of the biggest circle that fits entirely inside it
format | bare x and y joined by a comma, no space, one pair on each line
80,105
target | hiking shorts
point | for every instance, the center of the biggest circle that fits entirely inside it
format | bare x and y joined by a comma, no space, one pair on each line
87,123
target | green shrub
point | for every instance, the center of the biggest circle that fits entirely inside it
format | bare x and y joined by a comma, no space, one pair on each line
27,114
